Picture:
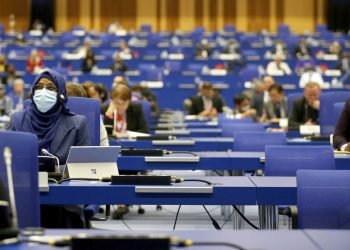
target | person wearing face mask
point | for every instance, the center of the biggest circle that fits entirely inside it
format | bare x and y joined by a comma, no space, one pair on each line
305,110
242,107
57,130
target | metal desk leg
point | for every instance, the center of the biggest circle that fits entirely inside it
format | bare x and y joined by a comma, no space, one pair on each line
268,217
238,222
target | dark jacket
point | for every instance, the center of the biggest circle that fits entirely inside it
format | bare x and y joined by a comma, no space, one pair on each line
134,116
71,131
342,131
301,112
198,104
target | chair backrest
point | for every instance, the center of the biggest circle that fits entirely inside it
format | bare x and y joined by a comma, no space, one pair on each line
291,98
256,141
146,109
323,199
338,109
25,174
286,160
250,72
328,120
229,128
90,108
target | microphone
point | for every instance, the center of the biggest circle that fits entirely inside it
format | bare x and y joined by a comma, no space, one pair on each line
45,152
8,162
8,234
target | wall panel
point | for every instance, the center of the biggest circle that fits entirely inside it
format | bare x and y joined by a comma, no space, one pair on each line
21,10
247,15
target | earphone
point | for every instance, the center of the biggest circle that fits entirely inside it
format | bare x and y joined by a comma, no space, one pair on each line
61,98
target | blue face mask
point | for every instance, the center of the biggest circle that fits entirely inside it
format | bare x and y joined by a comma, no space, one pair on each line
44,99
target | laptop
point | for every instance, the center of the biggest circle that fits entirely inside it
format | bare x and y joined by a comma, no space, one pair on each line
92,162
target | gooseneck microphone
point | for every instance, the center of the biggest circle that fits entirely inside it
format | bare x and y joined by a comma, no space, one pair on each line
8,163
8,234
45,152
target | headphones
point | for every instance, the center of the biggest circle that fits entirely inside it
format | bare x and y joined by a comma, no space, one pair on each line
61,99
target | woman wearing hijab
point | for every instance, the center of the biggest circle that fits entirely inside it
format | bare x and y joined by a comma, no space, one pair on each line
57,130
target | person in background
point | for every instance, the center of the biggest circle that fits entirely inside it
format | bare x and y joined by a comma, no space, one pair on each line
341,138
343,63
277,107
89,61
74,89
335,48
143,93
206,104
34,62
302,50
118,65
124,52
10,75
242,107
278,67
120,80
310,75
278,51
48,117
18,95
122,115
260,95
3,63
5,102
305,110
96,91
203,49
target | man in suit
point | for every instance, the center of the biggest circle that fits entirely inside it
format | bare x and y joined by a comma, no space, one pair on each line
341,139
305,110
277,107
260,95
206,104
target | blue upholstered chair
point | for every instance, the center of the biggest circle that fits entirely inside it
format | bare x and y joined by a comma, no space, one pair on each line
90,108
323,199
327,116
286,160
25,174
256,141
291,98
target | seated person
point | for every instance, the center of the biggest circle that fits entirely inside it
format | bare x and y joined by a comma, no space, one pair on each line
206,104
3,63
278,67
305,110
118,65
5,102
277,107
122,115
18,95
242,107
341,139
57,130
343,63
302,50
96,91
310,75
34,62
278,50
260,95
202,49
89,61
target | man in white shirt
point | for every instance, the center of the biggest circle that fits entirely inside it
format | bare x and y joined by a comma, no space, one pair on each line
278,68
310,75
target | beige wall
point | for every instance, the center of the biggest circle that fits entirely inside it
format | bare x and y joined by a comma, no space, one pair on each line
248,15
